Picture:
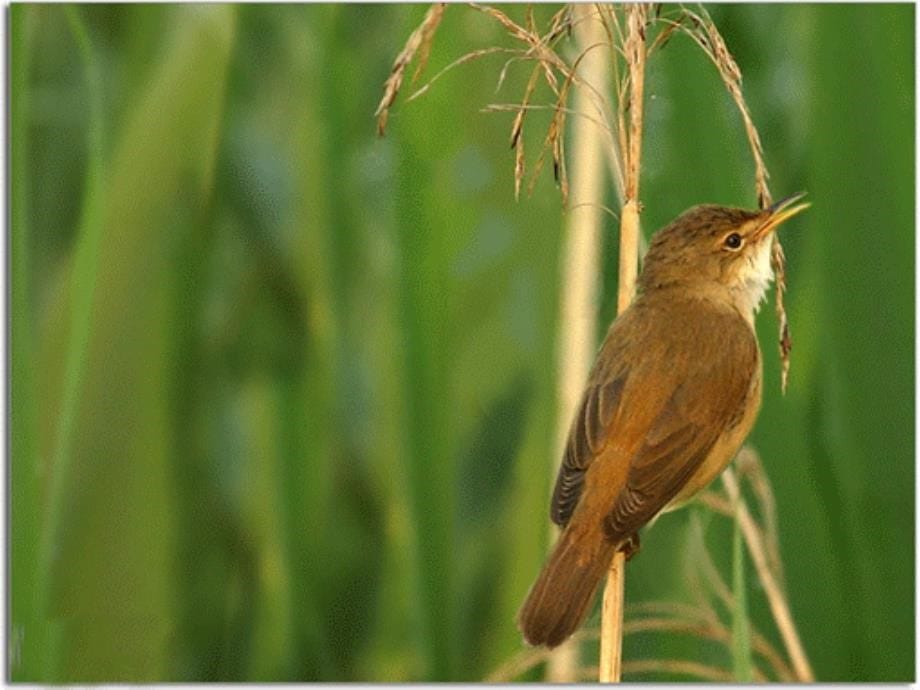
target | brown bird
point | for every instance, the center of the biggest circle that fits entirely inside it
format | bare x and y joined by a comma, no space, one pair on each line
672,395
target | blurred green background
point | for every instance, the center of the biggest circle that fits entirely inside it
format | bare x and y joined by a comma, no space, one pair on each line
283,398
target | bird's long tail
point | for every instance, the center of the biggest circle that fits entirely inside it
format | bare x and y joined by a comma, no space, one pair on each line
560,598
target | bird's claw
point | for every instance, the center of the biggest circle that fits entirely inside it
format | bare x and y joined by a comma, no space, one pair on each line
630,546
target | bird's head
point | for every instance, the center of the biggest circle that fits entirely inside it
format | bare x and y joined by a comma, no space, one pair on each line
719,250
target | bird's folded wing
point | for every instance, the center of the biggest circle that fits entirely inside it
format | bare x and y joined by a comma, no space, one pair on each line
665,418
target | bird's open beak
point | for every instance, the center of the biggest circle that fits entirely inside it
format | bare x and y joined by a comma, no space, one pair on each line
780,212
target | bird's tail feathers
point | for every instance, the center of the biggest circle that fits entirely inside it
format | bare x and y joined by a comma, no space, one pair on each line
563,592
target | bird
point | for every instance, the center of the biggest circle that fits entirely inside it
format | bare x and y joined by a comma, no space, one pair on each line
673,393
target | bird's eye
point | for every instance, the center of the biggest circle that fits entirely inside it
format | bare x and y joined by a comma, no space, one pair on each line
733,241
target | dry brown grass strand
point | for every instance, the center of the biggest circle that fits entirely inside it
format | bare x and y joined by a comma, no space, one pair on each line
710,630
463,59
611,21
502,75
527,658
704,622
654,617
517,131
751,469
682,667
519,158
663,36
706,576
513,107
778,259
552,133
776,598
429,27
559,167
764,539
554,142
540,48
559,24
554,139
635,49
731,75
614,32
667,616
547,57
670,608
531,22
517,126
419,42
606,209
768,538
715,502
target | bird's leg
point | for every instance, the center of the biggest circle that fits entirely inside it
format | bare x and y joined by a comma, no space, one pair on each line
630,546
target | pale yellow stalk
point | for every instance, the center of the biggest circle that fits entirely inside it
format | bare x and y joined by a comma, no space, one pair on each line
610,665
581,259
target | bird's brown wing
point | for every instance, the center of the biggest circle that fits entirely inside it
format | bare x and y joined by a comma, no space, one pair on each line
589,433
676,432
712,373
587,437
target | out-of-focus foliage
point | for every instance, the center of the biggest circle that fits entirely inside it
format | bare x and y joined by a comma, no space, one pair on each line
282,391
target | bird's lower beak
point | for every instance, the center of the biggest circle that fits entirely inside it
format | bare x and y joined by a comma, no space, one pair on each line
780,212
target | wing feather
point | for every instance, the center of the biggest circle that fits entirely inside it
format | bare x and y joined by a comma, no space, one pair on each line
589,432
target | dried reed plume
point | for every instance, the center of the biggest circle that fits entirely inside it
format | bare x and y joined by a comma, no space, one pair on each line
419,42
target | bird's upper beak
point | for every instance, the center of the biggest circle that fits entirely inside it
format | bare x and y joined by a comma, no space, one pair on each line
780,212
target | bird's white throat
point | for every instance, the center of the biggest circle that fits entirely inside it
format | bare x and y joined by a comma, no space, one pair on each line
754,277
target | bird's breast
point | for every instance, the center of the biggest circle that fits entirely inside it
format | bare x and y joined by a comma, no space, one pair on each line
725,448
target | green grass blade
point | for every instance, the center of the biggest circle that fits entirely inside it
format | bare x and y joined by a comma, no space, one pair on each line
26,634
82,291
108,552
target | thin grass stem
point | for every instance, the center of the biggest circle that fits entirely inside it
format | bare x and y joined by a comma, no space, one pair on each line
777,600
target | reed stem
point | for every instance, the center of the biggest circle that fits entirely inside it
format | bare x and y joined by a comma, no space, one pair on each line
581,262
635,49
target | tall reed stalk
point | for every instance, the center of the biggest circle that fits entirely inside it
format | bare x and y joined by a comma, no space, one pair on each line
580,264
635,50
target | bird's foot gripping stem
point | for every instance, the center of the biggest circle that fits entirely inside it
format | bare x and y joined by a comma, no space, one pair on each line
630,546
